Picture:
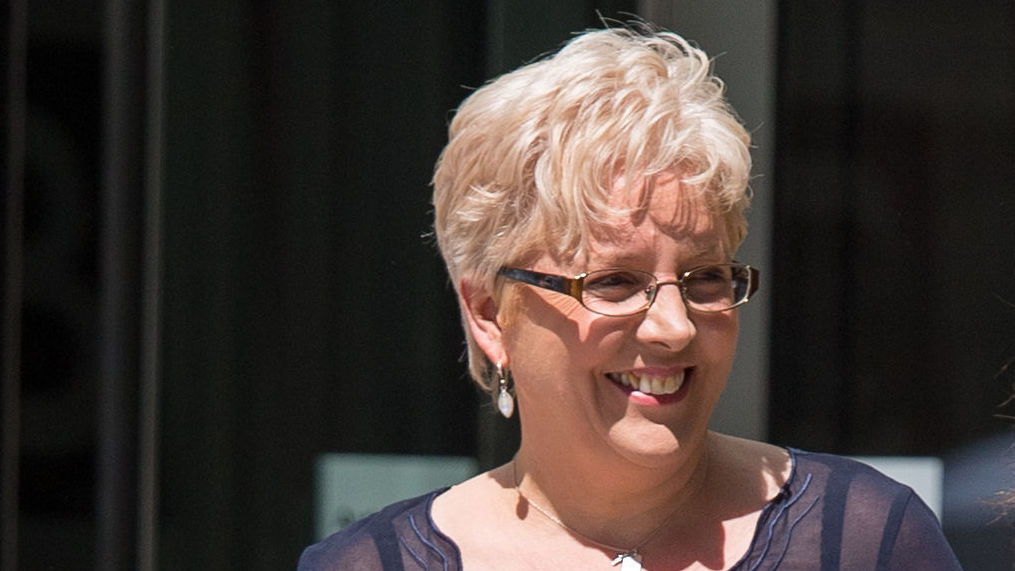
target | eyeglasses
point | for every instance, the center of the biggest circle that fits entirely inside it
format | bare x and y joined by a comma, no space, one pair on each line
620,292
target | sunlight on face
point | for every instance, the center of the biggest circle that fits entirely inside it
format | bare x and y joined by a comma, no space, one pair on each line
574,369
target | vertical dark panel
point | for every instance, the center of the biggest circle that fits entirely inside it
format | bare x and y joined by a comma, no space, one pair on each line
813,309
119,282
209,193
149,405
13,32
59,340
128,261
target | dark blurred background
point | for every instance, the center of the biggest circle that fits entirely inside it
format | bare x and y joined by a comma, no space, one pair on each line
216,265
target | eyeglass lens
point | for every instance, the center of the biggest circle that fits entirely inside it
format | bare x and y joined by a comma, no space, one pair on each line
622,291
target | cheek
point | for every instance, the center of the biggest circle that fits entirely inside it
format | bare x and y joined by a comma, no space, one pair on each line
717,334
533,336
554,333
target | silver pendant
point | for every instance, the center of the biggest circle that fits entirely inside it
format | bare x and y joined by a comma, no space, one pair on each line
630,561
505,403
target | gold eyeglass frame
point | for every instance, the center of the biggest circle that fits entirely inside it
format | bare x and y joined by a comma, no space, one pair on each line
573,287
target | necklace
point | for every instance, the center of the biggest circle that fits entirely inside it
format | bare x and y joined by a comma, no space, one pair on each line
628,559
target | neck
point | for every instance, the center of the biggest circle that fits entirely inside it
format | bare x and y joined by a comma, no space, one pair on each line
609,499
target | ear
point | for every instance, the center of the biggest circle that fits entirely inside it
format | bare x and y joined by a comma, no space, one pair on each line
480,310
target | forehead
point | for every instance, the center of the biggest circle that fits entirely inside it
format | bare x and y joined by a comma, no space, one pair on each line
656,211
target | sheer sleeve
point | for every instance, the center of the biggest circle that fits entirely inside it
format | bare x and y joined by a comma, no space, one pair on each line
357,550
401,537
916,542
859,518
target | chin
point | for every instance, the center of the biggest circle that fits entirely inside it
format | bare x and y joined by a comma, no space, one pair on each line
650,446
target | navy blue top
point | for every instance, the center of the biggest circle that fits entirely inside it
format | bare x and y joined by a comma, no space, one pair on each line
833,513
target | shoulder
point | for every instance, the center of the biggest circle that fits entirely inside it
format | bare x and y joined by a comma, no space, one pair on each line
737,458
839,474
865,514
387,539
844,486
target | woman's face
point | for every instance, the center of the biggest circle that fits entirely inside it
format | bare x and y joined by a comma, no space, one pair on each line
573,369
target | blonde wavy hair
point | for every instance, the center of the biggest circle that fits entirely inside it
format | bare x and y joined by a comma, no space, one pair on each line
533,155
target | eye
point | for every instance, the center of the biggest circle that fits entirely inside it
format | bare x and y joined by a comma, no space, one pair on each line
709,285
710,274
616,285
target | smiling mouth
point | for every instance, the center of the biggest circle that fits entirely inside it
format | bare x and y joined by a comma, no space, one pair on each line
649,384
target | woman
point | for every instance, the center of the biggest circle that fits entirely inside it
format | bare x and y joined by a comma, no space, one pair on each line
572,194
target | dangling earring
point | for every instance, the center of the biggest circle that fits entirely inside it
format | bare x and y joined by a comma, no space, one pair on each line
505,401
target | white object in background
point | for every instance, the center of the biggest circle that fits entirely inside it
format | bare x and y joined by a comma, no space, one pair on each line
925,474
351,486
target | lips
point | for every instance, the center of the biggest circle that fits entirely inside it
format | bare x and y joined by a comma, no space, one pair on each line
649,384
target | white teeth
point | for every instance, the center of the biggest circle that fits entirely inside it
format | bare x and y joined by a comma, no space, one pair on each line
651,384
658,386
646,385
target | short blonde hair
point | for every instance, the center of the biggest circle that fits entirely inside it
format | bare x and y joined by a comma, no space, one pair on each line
532,155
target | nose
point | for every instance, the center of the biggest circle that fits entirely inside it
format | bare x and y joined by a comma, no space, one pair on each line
667,322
